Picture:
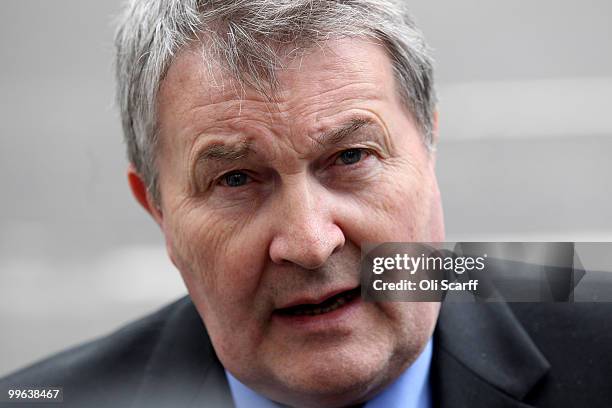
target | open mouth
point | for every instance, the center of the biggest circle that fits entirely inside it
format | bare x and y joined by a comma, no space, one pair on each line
328,305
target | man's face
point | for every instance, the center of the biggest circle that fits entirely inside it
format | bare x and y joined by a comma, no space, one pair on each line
264,208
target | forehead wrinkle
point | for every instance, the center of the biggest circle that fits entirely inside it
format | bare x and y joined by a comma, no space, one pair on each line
251,122
338,66
289,100
340,93
224,106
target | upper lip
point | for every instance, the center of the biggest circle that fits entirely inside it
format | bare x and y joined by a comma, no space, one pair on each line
311,300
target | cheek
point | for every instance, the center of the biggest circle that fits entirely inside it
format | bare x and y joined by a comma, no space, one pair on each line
393,209
209,251
221,268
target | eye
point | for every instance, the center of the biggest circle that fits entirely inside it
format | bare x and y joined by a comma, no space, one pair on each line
350,156
234,179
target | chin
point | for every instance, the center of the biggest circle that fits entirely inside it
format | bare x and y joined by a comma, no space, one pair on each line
336,378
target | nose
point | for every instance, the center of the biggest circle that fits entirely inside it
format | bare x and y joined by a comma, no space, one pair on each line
305,233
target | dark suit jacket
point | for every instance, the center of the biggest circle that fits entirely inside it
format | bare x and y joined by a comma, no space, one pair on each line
485,355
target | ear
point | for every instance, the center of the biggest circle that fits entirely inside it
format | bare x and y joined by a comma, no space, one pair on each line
435,128
142,195
435,136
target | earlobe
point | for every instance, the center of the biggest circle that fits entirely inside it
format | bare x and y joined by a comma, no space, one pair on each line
142,195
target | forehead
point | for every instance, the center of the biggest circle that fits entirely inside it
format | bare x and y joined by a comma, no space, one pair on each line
314,88
194,78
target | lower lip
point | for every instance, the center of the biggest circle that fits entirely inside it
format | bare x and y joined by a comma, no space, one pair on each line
323,320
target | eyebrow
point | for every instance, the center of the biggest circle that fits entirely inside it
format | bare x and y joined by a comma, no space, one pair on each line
339,134
221,152
224,152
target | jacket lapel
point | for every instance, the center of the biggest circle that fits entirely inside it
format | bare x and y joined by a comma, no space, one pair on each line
483,357
183,370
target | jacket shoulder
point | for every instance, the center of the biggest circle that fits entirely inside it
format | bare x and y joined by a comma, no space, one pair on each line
576,339
115,361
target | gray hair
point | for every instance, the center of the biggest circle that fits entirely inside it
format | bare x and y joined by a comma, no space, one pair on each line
246,37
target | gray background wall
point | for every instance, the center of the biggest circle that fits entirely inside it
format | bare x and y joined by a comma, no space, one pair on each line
526,136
